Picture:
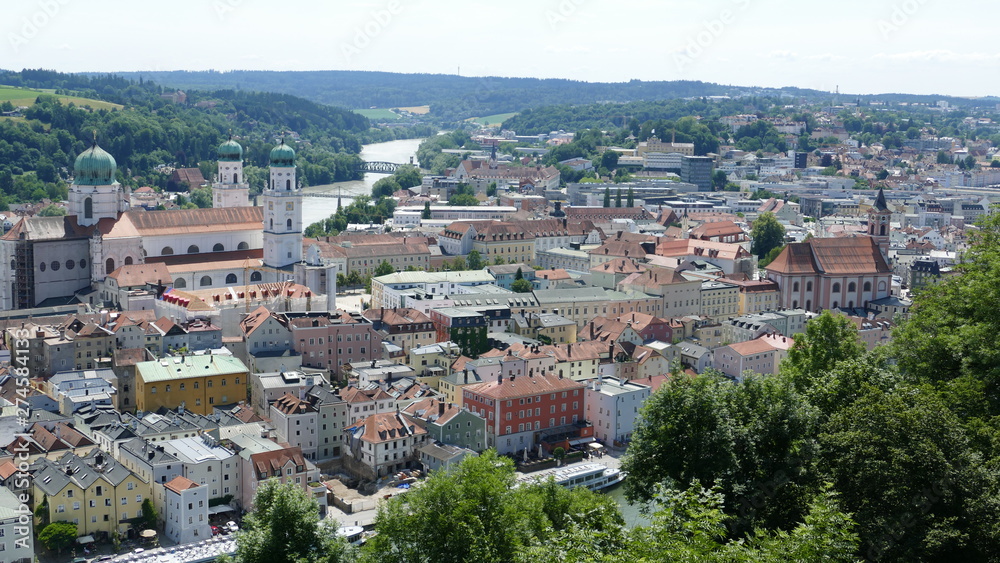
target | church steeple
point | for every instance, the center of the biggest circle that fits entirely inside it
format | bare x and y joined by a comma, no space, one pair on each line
879,217
230,188
282,210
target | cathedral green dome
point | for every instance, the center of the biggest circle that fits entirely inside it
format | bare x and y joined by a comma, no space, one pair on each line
94,167
282,155
231,151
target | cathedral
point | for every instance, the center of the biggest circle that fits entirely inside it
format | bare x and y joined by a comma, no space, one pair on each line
56,260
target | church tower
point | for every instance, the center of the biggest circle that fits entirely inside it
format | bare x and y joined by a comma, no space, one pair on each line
878,224
282,211
95,194
230,188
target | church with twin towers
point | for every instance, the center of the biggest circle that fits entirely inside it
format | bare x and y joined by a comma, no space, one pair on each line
69,259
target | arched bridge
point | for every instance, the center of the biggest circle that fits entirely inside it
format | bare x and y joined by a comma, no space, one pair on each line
379,167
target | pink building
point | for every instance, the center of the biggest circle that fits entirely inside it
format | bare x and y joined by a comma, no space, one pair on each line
333,340
762,355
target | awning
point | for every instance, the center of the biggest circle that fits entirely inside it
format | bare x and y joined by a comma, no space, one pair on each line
85,540
220,509
579,441
148,533
596,446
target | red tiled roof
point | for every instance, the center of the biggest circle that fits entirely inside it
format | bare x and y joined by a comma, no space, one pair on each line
180,484
141,274
523,386
834,256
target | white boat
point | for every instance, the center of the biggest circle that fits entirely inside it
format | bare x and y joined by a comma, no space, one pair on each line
594,476
354,534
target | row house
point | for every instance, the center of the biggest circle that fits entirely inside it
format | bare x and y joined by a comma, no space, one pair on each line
519,410
402,326
333,340
382,444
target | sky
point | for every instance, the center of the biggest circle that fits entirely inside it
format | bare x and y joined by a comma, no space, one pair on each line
858,46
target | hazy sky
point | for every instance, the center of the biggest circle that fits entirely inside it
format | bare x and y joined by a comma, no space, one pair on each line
913,46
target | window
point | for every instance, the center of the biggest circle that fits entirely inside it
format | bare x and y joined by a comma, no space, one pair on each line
255,276
193,249
167,251
231,278
836,287
809,286
88,208
124,501
852,287
205,281
795,286
218,247
867,286
180,283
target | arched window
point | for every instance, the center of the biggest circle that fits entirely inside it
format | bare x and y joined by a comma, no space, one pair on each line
835,305
88,208
836,287
288,185
809,286
128,260
272,224
236,178
795,304
206,280
109,266
193,249
167,251
288,224
881,286
795,286
255,276
881,230
218,247
868,286
850,304
180,283
231,278
809,305
852,287
242,246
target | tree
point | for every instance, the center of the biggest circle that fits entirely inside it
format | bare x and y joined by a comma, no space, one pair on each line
719,180
630,198
475,260
766,233
609,159
755,441
498,260
518,275
559,454
952,331
384,269
522,286
770,256
284,526
463,200
42,512
607,197
426,213
944,158
52,210
475,513
829,339
904,467
618,198
491,190
57,536
149,515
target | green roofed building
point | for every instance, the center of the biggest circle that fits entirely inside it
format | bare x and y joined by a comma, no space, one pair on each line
197,383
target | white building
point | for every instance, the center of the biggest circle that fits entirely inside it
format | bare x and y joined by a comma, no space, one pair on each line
16,540
295,421
185,511
612,405
282,211
230,188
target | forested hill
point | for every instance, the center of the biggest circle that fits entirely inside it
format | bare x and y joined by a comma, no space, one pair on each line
450,97
38,147
454,98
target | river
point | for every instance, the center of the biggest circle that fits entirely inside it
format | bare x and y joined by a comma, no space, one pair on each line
631,513
319,208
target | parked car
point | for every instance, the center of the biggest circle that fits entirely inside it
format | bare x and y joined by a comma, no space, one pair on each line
105,558
232,526
215,530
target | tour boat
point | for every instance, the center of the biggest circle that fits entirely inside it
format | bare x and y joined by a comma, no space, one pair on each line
594,476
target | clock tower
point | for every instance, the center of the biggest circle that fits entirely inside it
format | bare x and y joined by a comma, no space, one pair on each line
282,200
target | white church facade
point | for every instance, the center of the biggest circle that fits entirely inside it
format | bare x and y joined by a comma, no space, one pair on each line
53,259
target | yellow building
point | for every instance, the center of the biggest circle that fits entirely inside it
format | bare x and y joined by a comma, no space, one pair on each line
95,492
197,383
506,242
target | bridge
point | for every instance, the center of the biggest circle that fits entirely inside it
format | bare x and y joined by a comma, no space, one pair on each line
379,167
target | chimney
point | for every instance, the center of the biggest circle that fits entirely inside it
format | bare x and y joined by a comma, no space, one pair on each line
441,408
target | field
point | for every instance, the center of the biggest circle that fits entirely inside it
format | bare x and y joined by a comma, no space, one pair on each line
417,110
26,97
378,114
491,120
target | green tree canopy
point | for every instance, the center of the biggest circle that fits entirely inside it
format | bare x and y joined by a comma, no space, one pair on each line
57,536
474,260
52,210
766,233
284,527
384,269
522,286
